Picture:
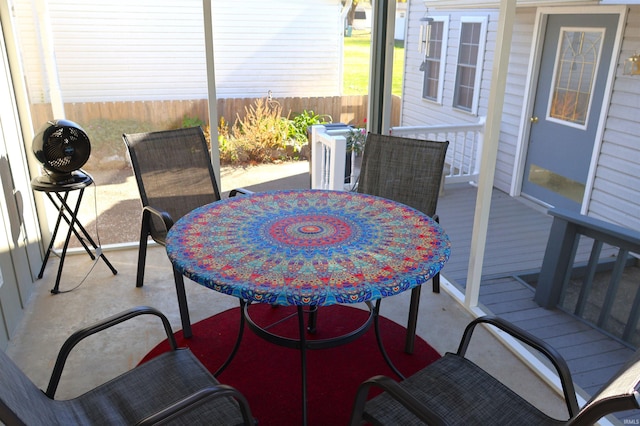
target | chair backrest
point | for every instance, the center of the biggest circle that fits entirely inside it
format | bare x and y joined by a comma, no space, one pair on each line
173,171
619,394
405,170
21,402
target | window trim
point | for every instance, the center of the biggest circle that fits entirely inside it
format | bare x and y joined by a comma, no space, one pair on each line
443,61
482,46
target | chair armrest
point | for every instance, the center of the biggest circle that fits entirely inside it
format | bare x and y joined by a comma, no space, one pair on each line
79,335
395,391
237,191
165,217
186,404
534,342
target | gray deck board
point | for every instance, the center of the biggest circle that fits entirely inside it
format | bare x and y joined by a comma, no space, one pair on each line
516,238
516,242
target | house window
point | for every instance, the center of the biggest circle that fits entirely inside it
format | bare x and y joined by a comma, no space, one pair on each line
470,57
433,62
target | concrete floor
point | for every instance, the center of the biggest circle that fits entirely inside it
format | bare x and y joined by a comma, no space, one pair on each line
49,319
52,318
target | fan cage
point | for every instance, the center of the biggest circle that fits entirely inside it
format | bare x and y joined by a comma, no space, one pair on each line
62,147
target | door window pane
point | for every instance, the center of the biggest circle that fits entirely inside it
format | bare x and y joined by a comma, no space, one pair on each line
556,183
574,76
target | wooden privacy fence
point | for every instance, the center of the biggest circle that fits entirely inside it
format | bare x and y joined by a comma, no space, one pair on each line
170,114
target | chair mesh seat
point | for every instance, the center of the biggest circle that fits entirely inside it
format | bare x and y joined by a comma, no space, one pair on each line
405,170
151,387
173,171
408,171
174,174
453,381
173,388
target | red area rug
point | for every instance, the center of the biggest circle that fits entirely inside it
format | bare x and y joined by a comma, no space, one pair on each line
270,376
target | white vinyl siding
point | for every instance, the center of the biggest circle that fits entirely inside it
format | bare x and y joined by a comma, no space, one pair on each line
616,189
419,111
291,48
615,195
120,50
515,89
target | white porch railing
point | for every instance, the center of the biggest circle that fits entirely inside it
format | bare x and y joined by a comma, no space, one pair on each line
462,163
328,159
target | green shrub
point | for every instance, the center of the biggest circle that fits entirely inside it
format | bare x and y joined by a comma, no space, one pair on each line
299,124
192,122
263,135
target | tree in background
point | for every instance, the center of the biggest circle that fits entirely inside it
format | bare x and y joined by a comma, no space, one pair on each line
352,12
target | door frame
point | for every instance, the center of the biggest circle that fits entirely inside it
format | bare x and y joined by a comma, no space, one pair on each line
533,70
21,242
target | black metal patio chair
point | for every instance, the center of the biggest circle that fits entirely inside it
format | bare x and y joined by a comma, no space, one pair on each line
408,171
455,391
174,175
172,388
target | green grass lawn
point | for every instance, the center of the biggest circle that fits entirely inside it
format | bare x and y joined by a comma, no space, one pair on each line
357,51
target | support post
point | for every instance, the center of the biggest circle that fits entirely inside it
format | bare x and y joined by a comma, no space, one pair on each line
556,263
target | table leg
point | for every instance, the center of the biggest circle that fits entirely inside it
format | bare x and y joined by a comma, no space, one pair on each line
303,344
72,221
53,238
64,207
243,306
86,235
412,322
313,319
376,323
303,361
74,215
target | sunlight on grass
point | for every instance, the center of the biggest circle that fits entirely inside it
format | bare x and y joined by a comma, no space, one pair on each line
357,52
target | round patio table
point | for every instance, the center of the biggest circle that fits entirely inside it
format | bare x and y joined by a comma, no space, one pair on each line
308,248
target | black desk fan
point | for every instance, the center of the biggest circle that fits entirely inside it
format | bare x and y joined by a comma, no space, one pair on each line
63,148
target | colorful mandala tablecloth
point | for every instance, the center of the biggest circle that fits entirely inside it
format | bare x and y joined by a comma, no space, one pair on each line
308,247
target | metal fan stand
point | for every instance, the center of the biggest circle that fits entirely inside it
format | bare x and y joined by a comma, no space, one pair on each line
78,181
